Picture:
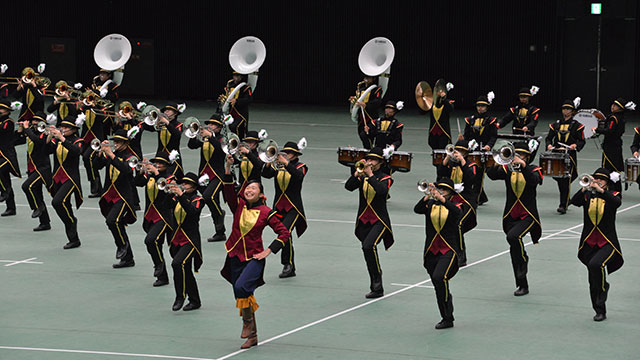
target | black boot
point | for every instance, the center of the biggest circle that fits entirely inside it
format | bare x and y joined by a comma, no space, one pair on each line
38,211
9,212
376,289
42,227
289,270
177,305
95,187
218,223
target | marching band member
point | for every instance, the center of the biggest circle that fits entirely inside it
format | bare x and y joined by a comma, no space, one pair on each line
442,217
288,178
481,127
246,257
463,174
92,128
369,107
185,246
250,164
62,104
635,145
29,94
212,158
599,246
387,130
372,223
524,115
8,158
569,132
126,119
439,126
170,133
520,214
66,147
104,85
612,129
239,103
38,169
157,218
115,202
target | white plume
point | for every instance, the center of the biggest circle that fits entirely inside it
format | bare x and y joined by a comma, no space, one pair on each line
534,90
449,86
77,86
400,105
174,155
473,145
228,119
490,96
533,145
302,143
133,132
458,188
387,152
3,68
203,180
263,134
80,119
182,107
630,105
104,92
41,67
51,119
614,176
576,102
16,106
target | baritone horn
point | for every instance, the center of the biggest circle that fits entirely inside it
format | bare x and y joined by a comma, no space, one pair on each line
111,53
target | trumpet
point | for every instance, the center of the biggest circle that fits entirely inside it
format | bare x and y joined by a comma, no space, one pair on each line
586,180
96,145
449,150
268,152
163,185
151,116
425,187
45,128
137,164
360,166
193,128
232,143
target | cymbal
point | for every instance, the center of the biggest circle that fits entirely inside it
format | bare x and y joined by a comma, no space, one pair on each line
424,95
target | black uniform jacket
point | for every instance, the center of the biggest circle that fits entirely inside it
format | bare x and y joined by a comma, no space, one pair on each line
521,195
66,163
118,184
599,213
568,132
288,184
373,200
521,115
440,219
8,139
37,155
482,128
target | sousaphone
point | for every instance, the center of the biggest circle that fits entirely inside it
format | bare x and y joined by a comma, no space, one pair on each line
111,53
375,59
245,57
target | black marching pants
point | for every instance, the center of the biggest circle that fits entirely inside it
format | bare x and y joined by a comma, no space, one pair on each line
598,285
441,268
62,204
118,229
154,240
5,183
516,230
289,220
183,278
32,187
211,196
370,235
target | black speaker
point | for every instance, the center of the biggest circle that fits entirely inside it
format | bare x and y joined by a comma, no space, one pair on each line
139,70
59,55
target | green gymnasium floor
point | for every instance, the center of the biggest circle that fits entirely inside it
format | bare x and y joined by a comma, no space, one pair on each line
72,305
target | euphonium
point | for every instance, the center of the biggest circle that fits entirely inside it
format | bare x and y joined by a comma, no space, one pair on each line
586,180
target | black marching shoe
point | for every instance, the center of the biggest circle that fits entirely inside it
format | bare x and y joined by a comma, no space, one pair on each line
160,282
9,212
177,305
124,264
374,294
444,324
4,196
562,210
159,270
599,317
287,271
521,291
217,237
71,245
42,227
37,212
191,306
121,252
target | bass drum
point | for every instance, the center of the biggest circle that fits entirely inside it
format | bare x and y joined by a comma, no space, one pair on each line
590,118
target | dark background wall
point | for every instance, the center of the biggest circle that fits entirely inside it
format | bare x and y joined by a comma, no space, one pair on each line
181,47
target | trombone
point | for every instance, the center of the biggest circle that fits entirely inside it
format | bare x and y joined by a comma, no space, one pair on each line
40,81
74,94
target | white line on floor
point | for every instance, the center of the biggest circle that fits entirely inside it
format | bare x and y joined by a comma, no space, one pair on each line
421,286
102,353
16,262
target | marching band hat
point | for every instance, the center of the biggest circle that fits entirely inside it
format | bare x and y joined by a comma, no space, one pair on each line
375,153
462,145
522,147
189,178
620,102
214,119
445,183
171,106
252,136
292,148
525,92
483,100
39,116
120,134
391,105
568,104
162,157
69,124
5,104
602,173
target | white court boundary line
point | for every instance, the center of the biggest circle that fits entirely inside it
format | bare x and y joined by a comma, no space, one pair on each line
300,328
26,261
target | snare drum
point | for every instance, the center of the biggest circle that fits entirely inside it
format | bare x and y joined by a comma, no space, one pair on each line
475,157
438,157
631,169
348,156
401,161
555,164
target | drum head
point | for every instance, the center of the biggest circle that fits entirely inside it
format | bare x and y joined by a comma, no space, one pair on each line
589,118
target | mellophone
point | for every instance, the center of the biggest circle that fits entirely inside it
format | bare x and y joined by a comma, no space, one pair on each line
399,161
